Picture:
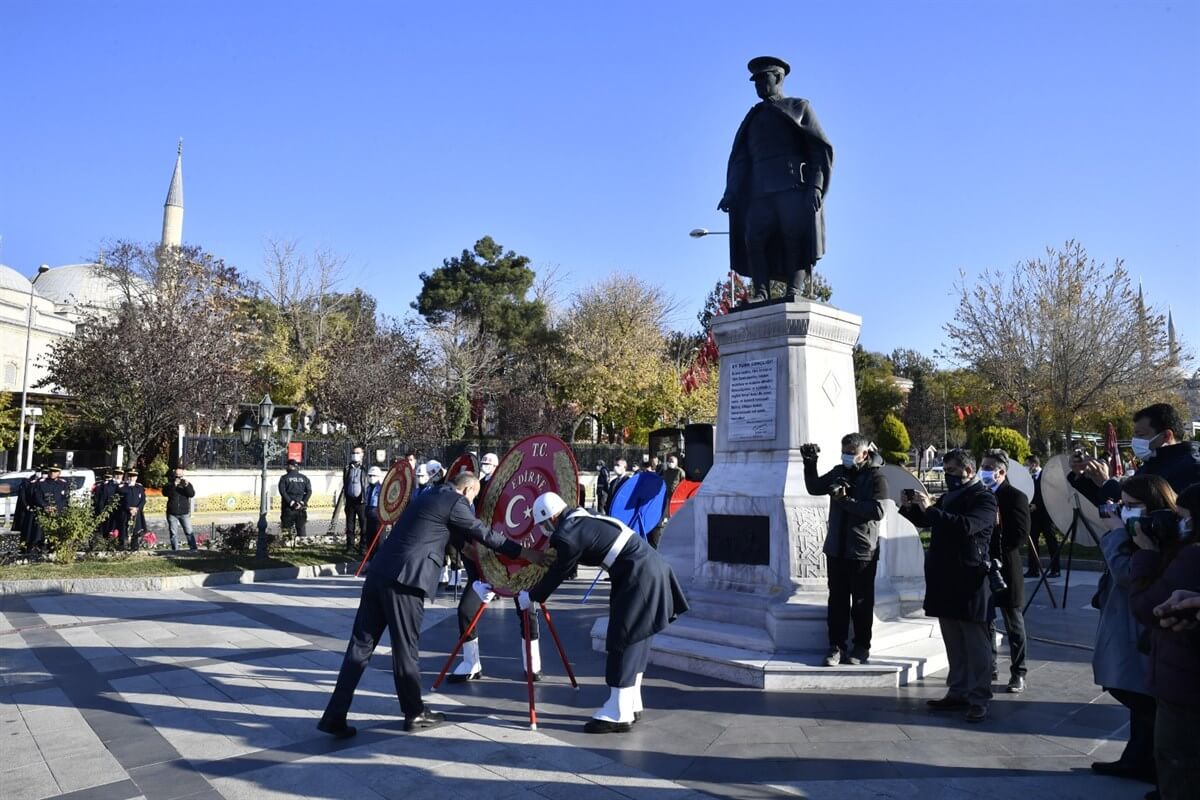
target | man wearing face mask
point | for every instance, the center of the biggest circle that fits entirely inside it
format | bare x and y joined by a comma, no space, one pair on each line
1157,443
1041,528
856,490
1010,532
294,492
619,476
354,484
1089,476
644,599
956,584
371,504
672,475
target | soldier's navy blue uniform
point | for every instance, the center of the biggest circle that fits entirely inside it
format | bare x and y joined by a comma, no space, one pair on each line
402,574
131,519
48,494
644,595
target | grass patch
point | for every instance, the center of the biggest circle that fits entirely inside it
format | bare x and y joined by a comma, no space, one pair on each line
153,566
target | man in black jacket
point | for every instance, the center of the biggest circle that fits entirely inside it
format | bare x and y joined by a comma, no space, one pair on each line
856,490
179,493
294,491
402,575
354,488
644,598
956,585
103,494
1041,527
50,497
1157,443
1010,532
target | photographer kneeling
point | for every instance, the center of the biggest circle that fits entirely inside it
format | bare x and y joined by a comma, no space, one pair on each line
956,579
1169,560
1119,665
856,490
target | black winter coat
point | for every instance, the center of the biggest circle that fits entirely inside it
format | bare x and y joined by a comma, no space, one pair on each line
854,520
644,598
179,498
956,564
1177,464
413,552
295,487
1007,537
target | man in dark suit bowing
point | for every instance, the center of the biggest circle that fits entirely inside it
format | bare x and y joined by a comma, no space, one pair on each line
403,573
1011,531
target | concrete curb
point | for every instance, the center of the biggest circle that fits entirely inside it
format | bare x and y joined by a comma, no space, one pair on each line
170,582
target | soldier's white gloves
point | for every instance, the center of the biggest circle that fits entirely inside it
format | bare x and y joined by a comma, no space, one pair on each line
483,591
523,601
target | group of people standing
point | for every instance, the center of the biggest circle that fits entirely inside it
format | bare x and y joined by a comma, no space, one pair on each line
118,491
45,491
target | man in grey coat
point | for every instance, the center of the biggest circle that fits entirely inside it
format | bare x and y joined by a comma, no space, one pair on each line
856,489
402,575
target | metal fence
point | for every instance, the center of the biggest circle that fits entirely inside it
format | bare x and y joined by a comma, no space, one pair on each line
228,452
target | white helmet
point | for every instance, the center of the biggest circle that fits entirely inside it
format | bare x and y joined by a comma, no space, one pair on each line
434,468
490,459
546,506
374,472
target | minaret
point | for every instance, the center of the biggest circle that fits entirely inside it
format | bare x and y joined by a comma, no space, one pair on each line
172,232
1172,344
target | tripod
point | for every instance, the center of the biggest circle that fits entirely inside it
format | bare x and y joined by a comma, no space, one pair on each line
1042,576
1077,519
528,654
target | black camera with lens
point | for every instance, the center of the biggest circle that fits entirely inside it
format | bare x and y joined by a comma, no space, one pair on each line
996,577
1161,526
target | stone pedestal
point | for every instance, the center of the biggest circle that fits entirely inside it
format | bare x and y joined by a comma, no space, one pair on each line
758,584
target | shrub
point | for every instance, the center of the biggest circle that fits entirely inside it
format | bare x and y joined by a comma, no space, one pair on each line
69,530
156,473
240,539
1006,439
892,439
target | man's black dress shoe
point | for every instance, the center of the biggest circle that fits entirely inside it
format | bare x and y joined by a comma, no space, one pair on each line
426,719
604,726
342,731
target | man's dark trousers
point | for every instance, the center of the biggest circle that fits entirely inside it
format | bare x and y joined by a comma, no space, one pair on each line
851,596
1014,628
399,609
356,512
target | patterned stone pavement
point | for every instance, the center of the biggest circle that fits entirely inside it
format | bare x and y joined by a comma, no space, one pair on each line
208,693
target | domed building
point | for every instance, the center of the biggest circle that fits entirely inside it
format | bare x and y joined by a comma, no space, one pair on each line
51,304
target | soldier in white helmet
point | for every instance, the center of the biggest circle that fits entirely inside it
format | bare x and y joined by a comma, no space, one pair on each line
644,598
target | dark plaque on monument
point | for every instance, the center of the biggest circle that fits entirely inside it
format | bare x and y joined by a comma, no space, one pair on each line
739,539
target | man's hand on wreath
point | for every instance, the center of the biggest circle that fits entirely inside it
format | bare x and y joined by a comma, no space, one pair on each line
483,591
523,601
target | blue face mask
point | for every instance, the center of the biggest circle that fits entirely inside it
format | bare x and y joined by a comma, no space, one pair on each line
988,477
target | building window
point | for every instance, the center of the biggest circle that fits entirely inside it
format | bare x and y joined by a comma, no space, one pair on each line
10,373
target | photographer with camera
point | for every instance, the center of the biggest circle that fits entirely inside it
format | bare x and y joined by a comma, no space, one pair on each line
1089,476
856,490
1168,560
179,493
1119,661
1008,582
960,523
294,491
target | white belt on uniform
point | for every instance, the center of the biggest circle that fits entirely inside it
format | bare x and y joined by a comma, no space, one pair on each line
617,546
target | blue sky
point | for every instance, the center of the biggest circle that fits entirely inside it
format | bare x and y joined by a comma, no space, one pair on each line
594,136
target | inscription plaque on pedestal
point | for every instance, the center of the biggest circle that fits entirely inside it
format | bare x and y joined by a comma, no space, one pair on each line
752,400
739,539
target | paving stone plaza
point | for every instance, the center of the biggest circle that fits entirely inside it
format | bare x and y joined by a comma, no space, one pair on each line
215,692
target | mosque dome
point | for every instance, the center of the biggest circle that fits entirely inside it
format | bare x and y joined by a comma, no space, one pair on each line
13,280
79,285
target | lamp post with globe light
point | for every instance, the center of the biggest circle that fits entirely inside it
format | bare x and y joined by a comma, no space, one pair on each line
268,448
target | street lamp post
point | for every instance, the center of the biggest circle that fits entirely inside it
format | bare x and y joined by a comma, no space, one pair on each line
42,270
698,233
268,448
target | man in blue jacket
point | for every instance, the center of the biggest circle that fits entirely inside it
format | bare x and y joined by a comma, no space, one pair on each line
403,573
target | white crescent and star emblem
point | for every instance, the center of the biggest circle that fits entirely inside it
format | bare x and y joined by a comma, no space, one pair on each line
508,520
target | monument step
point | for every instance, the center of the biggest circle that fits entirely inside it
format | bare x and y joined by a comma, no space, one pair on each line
889,666
744,637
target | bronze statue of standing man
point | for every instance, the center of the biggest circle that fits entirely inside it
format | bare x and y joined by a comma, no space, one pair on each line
775,187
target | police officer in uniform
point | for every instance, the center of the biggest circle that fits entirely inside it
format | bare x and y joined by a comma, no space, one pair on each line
403,574
644,599
23,515
49,497
131,517
102,496
294,491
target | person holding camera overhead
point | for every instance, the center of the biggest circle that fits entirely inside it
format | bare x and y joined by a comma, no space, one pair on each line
179,493
1120,662
957,589
856,490
1167,562
1011,531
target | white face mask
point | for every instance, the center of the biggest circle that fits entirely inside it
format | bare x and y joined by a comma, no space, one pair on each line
1141,448
672,465
357,457
486,469
374,478
1130,513
849,461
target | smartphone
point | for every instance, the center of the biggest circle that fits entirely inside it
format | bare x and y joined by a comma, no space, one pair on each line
910,495
1109,510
